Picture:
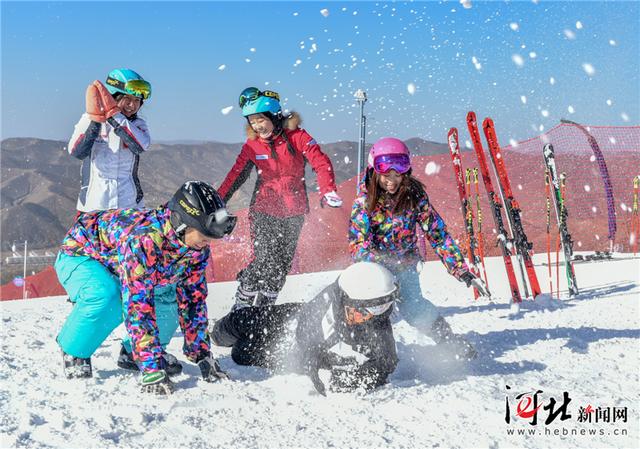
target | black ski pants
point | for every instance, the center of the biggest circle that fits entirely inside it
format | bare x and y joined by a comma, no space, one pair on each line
274,245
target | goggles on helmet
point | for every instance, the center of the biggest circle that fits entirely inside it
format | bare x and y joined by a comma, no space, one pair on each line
219,223
137,88
252,94
359,315
386,162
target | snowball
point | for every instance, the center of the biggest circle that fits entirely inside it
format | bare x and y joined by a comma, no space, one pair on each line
517,60
324,12
222,67
431,168
514,26
588,68
411,88
587,188
226,110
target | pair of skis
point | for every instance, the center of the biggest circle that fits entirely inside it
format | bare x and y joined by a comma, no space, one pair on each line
555,183
473,249
519,243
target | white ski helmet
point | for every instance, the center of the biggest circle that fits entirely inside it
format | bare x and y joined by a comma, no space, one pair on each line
365,281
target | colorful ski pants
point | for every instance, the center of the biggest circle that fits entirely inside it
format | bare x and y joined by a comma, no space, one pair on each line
97,311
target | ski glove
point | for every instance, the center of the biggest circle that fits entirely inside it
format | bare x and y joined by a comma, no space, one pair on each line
93,104
108,102
158,383
332,199
473,281
211,371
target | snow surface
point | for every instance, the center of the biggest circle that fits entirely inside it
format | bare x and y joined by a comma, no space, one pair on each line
586,346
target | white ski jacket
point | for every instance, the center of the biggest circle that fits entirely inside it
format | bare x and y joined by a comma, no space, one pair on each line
110,153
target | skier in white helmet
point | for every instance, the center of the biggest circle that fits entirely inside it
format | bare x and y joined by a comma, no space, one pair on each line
346,328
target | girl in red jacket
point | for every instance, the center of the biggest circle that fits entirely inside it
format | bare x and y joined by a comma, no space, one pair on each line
278,150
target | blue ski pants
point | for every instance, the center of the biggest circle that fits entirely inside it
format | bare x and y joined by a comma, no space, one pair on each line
416,310
97,311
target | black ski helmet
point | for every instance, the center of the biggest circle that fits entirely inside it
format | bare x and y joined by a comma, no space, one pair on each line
198,205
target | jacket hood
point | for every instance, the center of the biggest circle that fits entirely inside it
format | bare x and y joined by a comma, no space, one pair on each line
291,122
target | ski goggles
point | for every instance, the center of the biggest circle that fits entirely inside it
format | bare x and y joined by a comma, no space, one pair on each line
359,315
386,162
137,88
253,93
219,224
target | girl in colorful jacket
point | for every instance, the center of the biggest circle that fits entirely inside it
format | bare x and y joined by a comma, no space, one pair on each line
278,150
110,263
109,139
385,213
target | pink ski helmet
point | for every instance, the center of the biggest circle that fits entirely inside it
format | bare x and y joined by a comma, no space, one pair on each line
388,154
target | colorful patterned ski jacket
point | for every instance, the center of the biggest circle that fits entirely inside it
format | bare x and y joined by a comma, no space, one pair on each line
142,249
280,190
391,239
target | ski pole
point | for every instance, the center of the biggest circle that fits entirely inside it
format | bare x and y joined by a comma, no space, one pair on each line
635,220
547,189
480,238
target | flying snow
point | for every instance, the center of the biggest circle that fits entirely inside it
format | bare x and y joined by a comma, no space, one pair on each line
466,4
613,140
624,116
523,99
226,110
513,142
609,102
578,25
612,42
592,158
569,34
514,26
588,68
571,109
347,160
517,59
476,63
411,88
544,113
431,168
222,67
324,12
587,188
552,81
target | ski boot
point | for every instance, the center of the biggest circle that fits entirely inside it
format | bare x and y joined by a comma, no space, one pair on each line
76,367
157,382
171,364
442,334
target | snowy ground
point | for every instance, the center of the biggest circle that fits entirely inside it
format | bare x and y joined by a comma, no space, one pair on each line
588,347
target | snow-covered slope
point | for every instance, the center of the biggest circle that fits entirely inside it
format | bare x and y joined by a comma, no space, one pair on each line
588,347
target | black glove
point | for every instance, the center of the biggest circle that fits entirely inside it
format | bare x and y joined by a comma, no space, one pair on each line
473,281
211,371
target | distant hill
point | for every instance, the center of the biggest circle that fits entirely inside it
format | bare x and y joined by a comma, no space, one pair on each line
40,181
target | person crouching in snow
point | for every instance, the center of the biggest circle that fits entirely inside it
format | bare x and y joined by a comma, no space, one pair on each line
279,150
346,329
390,203
109,264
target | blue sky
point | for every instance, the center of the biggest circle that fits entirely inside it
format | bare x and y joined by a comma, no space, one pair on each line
422,64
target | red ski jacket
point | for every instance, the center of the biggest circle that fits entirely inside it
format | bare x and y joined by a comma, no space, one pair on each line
280,189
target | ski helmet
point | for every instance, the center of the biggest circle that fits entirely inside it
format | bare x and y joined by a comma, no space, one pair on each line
367,290
389,153
198,205
128,82
254,101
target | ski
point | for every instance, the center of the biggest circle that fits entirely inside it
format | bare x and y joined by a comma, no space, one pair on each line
471,242
561,216
496,206
523,246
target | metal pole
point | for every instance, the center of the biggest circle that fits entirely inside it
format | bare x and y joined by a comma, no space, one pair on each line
24,273
361,98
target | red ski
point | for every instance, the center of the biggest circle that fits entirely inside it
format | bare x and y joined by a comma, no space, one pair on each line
523,246
471,242
496,205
